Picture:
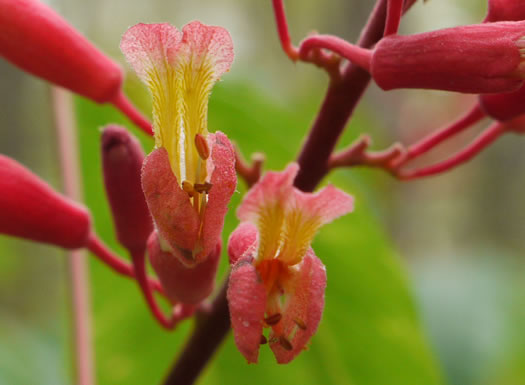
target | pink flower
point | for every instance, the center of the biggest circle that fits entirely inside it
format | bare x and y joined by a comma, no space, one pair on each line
190,177
31,209
482,58
277,281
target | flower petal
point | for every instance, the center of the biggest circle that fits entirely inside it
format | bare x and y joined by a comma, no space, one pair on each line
153,51
175,218
307,212
264,205
302,312
210,44
206,53
247,303
223,181
243,238
189,285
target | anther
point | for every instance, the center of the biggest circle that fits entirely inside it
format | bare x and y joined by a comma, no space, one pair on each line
273,319
263,340
300,323
285,343
202,187
188,187
202,146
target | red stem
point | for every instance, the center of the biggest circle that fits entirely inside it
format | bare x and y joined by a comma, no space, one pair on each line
339,103
481,142
128,109
282,28
139,264
353,53
393,16
101,251
471,117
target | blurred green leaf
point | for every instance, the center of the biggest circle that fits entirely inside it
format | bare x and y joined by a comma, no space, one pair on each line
370,333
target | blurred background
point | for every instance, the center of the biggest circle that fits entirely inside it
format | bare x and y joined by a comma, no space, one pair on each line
425,279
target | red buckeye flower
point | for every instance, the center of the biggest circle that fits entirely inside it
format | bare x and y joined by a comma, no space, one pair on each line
277,281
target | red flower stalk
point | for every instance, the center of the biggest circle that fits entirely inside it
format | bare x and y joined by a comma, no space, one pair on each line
277,281
31,209
36,39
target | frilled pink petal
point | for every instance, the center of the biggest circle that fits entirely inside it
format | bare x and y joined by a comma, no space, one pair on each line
189,285
247,303
325,205
223,181
243,238
175,218
302,311
208,44
306,213
151,47
31,209
274,187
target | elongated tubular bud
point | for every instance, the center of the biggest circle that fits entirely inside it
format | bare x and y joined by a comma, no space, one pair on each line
38,40
31,209
122,158
481,58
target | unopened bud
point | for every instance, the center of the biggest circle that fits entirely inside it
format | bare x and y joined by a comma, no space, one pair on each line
31,209
122,158
481,58
36,39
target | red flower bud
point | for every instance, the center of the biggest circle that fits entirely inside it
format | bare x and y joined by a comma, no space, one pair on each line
122,158
38,40
481,58
511,10
31,209
504,106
